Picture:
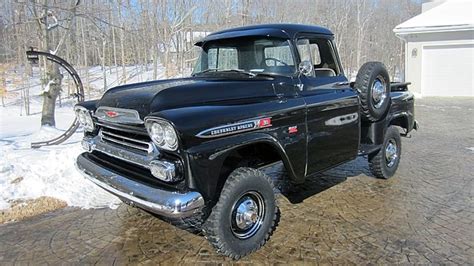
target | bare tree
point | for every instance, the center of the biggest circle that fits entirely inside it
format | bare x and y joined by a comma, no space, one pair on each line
47,21
122,33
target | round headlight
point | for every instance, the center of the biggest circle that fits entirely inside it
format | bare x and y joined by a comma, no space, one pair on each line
157,133
162,133
89,123
82,117
170,137
85,119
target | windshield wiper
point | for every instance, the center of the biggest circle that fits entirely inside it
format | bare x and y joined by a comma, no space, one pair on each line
225,70
240,71
249,73
205,71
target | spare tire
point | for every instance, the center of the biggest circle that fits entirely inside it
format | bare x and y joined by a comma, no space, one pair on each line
373,85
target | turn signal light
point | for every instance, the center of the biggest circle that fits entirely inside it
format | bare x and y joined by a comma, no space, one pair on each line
164,170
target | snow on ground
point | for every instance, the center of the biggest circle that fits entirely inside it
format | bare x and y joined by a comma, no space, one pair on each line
27,173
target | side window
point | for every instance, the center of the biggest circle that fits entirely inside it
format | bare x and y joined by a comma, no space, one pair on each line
315,53
326,64
223,58
304,49
321,54
309,51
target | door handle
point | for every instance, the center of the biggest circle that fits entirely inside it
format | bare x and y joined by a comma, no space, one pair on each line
300,86
345,83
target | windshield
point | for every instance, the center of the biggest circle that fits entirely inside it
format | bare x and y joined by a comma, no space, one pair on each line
251,56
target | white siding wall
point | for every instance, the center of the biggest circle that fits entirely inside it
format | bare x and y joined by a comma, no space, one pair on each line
414,63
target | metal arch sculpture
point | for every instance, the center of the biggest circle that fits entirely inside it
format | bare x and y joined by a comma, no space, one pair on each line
33,57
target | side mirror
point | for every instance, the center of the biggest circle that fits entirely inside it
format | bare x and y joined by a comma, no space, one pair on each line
305,68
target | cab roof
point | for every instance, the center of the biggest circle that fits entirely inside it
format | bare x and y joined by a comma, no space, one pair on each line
287,31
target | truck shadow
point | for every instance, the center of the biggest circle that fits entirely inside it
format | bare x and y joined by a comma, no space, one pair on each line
317,183
295,193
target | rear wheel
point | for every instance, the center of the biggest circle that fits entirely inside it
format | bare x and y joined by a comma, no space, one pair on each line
384,163
373,85
245,216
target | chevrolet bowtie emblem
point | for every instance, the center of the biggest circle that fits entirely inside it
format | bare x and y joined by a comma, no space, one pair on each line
111,114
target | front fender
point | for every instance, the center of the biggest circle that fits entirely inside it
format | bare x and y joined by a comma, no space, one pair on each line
207,159
89,105
205,155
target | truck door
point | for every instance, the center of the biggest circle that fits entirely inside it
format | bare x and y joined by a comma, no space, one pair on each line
332,107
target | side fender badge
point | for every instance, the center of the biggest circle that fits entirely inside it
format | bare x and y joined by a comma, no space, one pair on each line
293,130
265,122
239,127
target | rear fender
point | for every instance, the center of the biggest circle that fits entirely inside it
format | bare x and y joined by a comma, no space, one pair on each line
401,113
374,133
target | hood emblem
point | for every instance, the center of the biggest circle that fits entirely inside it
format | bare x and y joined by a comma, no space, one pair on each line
112,114
118,115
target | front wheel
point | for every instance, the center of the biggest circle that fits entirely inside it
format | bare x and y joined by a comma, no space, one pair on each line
384,163
245,216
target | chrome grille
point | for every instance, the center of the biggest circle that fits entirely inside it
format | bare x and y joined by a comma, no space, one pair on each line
127,140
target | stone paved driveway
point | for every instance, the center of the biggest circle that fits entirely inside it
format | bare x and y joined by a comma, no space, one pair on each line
423,215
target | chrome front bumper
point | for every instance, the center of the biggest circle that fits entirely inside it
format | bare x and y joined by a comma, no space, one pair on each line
171,204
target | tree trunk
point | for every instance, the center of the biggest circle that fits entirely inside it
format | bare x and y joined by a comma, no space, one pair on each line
86,64
122,43
53,79
53,88
104,72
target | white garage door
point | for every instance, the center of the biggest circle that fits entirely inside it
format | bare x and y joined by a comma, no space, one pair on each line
448,70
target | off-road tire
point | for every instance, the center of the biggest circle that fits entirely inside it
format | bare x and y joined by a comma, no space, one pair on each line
217,228
365,79
377,161
192,224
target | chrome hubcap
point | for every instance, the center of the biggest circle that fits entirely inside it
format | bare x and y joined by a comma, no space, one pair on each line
391,154
247,215
379,92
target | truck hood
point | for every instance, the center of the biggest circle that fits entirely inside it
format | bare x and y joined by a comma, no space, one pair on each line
155,96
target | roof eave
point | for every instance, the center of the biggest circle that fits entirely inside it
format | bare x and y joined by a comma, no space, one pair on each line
415,30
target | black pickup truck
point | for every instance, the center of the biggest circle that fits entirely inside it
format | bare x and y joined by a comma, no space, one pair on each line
189,150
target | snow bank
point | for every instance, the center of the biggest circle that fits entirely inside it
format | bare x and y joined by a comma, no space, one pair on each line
27,173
